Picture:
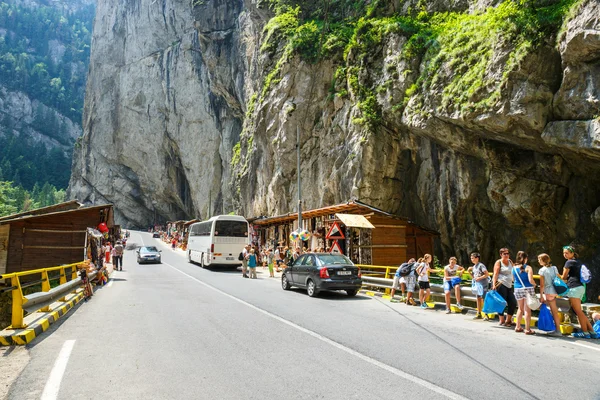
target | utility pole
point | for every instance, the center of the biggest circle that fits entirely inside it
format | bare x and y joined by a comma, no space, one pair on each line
298,172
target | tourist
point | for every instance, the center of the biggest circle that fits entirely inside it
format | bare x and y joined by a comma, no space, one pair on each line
107,251
423,279
502,282
571,274
269,257
411,282
118,257
452,279
481,278
524,285
400,282
252,264
245,253
548,294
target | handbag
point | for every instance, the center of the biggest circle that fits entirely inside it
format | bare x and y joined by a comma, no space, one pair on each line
494,303
559,285
532,301
545,320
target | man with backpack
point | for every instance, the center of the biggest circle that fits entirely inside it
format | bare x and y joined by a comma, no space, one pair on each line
400,279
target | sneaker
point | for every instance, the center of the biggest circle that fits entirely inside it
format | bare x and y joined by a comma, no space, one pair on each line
581,335
478,316
394,301
448,311
593,335
459,306
423,305
412,302
486,318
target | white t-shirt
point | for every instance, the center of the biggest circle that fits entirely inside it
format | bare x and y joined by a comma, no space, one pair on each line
423,270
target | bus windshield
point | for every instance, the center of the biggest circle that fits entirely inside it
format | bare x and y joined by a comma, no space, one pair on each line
231,228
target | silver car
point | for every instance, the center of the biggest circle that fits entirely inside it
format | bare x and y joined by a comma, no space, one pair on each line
148,254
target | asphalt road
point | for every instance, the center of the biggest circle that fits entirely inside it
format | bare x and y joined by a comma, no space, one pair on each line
176,331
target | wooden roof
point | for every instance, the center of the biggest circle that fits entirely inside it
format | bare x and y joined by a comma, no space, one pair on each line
67,205
21,217
350,207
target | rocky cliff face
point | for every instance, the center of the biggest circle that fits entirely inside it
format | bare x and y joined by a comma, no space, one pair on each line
471,124
164,107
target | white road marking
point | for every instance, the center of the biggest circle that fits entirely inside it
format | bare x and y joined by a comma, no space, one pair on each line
421,382
587,347
60,365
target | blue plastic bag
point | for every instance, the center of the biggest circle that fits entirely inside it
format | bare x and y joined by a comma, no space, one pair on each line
545,320
494,303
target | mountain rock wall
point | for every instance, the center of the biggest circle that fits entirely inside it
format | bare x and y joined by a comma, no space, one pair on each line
475,129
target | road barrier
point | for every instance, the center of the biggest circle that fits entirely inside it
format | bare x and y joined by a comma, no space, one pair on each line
41,300
373,278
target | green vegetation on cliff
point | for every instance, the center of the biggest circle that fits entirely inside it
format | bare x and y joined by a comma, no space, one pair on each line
465,57
44,52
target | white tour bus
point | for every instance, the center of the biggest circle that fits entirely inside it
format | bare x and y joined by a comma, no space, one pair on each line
218,241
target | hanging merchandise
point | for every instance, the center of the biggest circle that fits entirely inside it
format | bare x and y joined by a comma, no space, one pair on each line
294,236
102,227
304,235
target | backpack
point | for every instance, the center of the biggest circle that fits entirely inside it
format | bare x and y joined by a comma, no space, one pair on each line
585,276
241,256
406,268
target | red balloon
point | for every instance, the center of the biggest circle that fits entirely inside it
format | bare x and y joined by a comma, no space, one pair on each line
102,227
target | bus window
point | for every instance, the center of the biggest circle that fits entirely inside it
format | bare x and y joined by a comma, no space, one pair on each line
231,228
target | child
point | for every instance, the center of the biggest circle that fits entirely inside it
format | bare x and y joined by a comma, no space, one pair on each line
252,264
547,292
480,276
423,273
452,274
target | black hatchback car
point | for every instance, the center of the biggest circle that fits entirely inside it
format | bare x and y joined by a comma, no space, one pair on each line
322,271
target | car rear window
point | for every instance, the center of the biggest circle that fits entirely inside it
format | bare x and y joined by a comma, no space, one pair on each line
334,259
149,249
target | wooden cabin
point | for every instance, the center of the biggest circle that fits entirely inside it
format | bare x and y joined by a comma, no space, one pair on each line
367,235
48,237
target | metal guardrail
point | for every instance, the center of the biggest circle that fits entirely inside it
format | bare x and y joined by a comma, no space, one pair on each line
40,300
465,291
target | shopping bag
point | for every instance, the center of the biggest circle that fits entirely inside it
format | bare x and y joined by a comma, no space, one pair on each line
477,288
560,286
545,320
494,303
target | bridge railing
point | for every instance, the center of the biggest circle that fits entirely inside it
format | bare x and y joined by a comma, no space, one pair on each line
33,302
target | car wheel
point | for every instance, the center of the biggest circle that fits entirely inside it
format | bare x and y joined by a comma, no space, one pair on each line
352,292
202,261
311,288
285,284
138,260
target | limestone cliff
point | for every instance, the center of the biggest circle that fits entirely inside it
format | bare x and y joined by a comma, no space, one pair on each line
481,123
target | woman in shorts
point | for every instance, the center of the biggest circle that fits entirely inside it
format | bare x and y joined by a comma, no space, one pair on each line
524,285
576,292
547,292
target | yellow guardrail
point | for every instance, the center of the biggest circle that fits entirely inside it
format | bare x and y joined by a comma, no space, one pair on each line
19,300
